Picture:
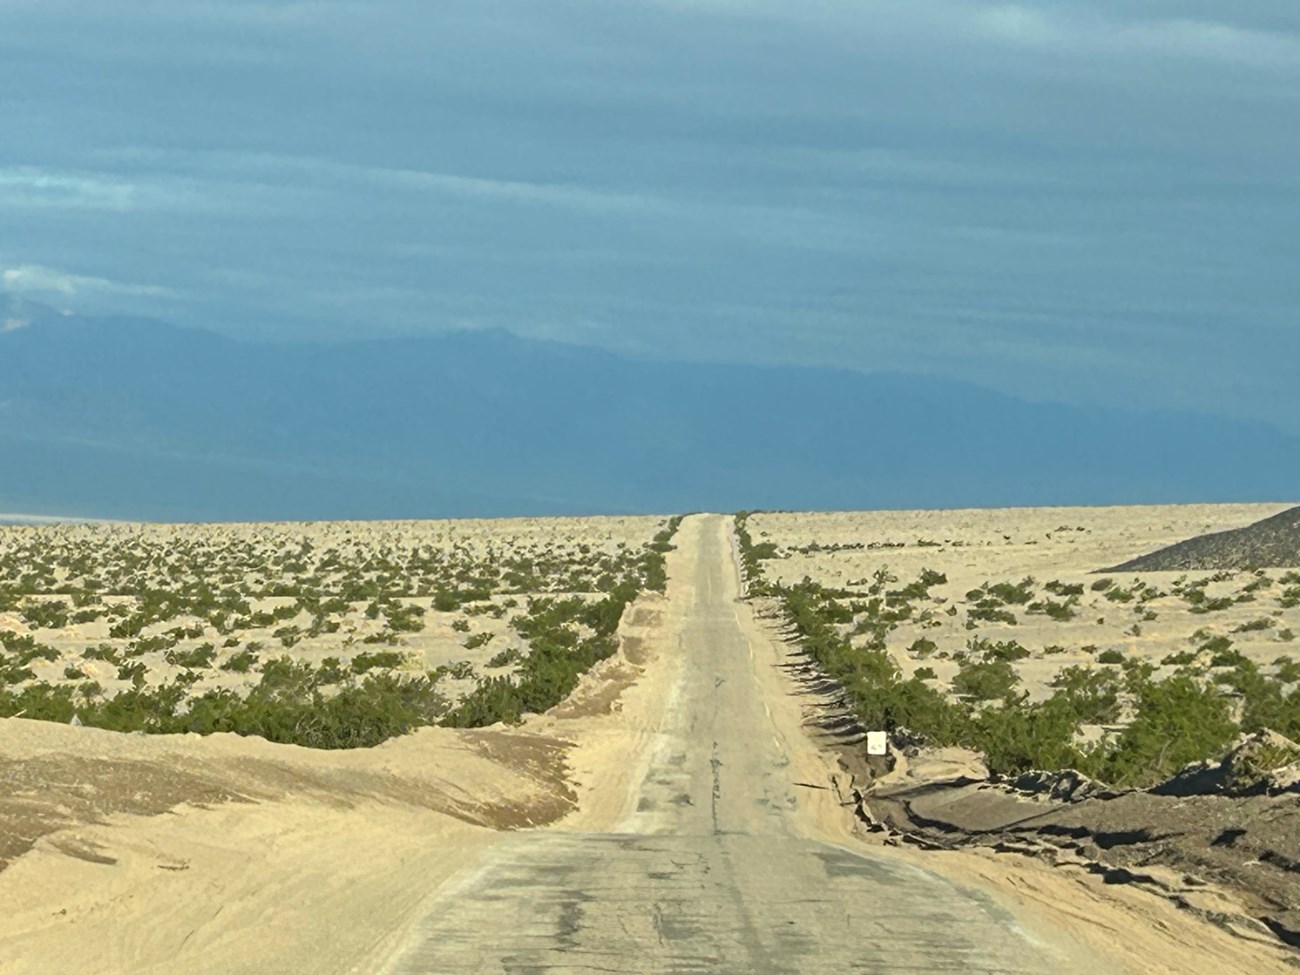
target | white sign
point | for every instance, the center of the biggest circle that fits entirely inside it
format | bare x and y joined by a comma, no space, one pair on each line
877,743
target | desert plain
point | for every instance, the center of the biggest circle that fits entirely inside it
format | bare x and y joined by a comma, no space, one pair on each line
180,843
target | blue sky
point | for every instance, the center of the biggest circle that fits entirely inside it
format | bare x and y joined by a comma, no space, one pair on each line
1088,202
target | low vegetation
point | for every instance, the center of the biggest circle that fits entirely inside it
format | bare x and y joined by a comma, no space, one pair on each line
1153,718
313,635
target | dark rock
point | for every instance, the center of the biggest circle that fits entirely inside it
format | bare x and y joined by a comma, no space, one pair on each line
1271,543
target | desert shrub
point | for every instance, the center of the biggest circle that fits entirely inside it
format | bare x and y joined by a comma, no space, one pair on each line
358,716
198,657
920,588
1063,589
1254,626
331,671
25,648
460,625
151,644
1286,635
39,702
289,636
924,673
1215,644
134,672
985,680
1091,695
1111,656
923,647
46,614
366,661
1008,650
1288,669
1207,604
1180,659
1177,721
506,657
241,662
989,612
405,619
1060,611
1228,658
755,584
14,672
1015,737
1101,585
478,640
103,652
1015,593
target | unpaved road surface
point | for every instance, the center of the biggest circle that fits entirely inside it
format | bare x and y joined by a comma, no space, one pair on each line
723,858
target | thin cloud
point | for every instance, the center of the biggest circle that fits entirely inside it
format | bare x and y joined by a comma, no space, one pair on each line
34,188
35,280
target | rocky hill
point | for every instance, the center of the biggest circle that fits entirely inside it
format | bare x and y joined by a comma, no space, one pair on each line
1271,543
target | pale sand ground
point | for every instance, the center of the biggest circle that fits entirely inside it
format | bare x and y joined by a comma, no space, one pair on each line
319,872
1006,545
182,556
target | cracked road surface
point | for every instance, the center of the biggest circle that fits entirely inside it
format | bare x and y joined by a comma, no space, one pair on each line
724,862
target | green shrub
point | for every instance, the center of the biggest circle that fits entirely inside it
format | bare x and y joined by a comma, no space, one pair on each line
1177,721
240,662
1111,656
198,657
1092,696
1216,644
985,680
49,615
923,647
506,657
1017,593
1058,588
364,661
1008,650
1254,626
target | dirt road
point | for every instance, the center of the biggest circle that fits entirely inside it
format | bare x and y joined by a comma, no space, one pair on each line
723,857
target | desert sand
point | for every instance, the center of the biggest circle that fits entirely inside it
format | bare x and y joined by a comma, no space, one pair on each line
227,854
1066,545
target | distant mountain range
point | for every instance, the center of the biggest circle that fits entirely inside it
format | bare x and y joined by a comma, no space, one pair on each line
133,418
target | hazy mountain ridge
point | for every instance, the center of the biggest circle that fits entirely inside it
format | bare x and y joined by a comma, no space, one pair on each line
132,418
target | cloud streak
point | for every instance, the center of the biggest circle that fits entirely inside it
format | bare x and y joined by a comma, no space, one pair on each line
31,280
1088,200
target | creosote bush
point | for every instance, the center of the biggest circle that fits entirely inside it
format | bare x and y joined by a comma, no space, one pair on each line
1186,717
